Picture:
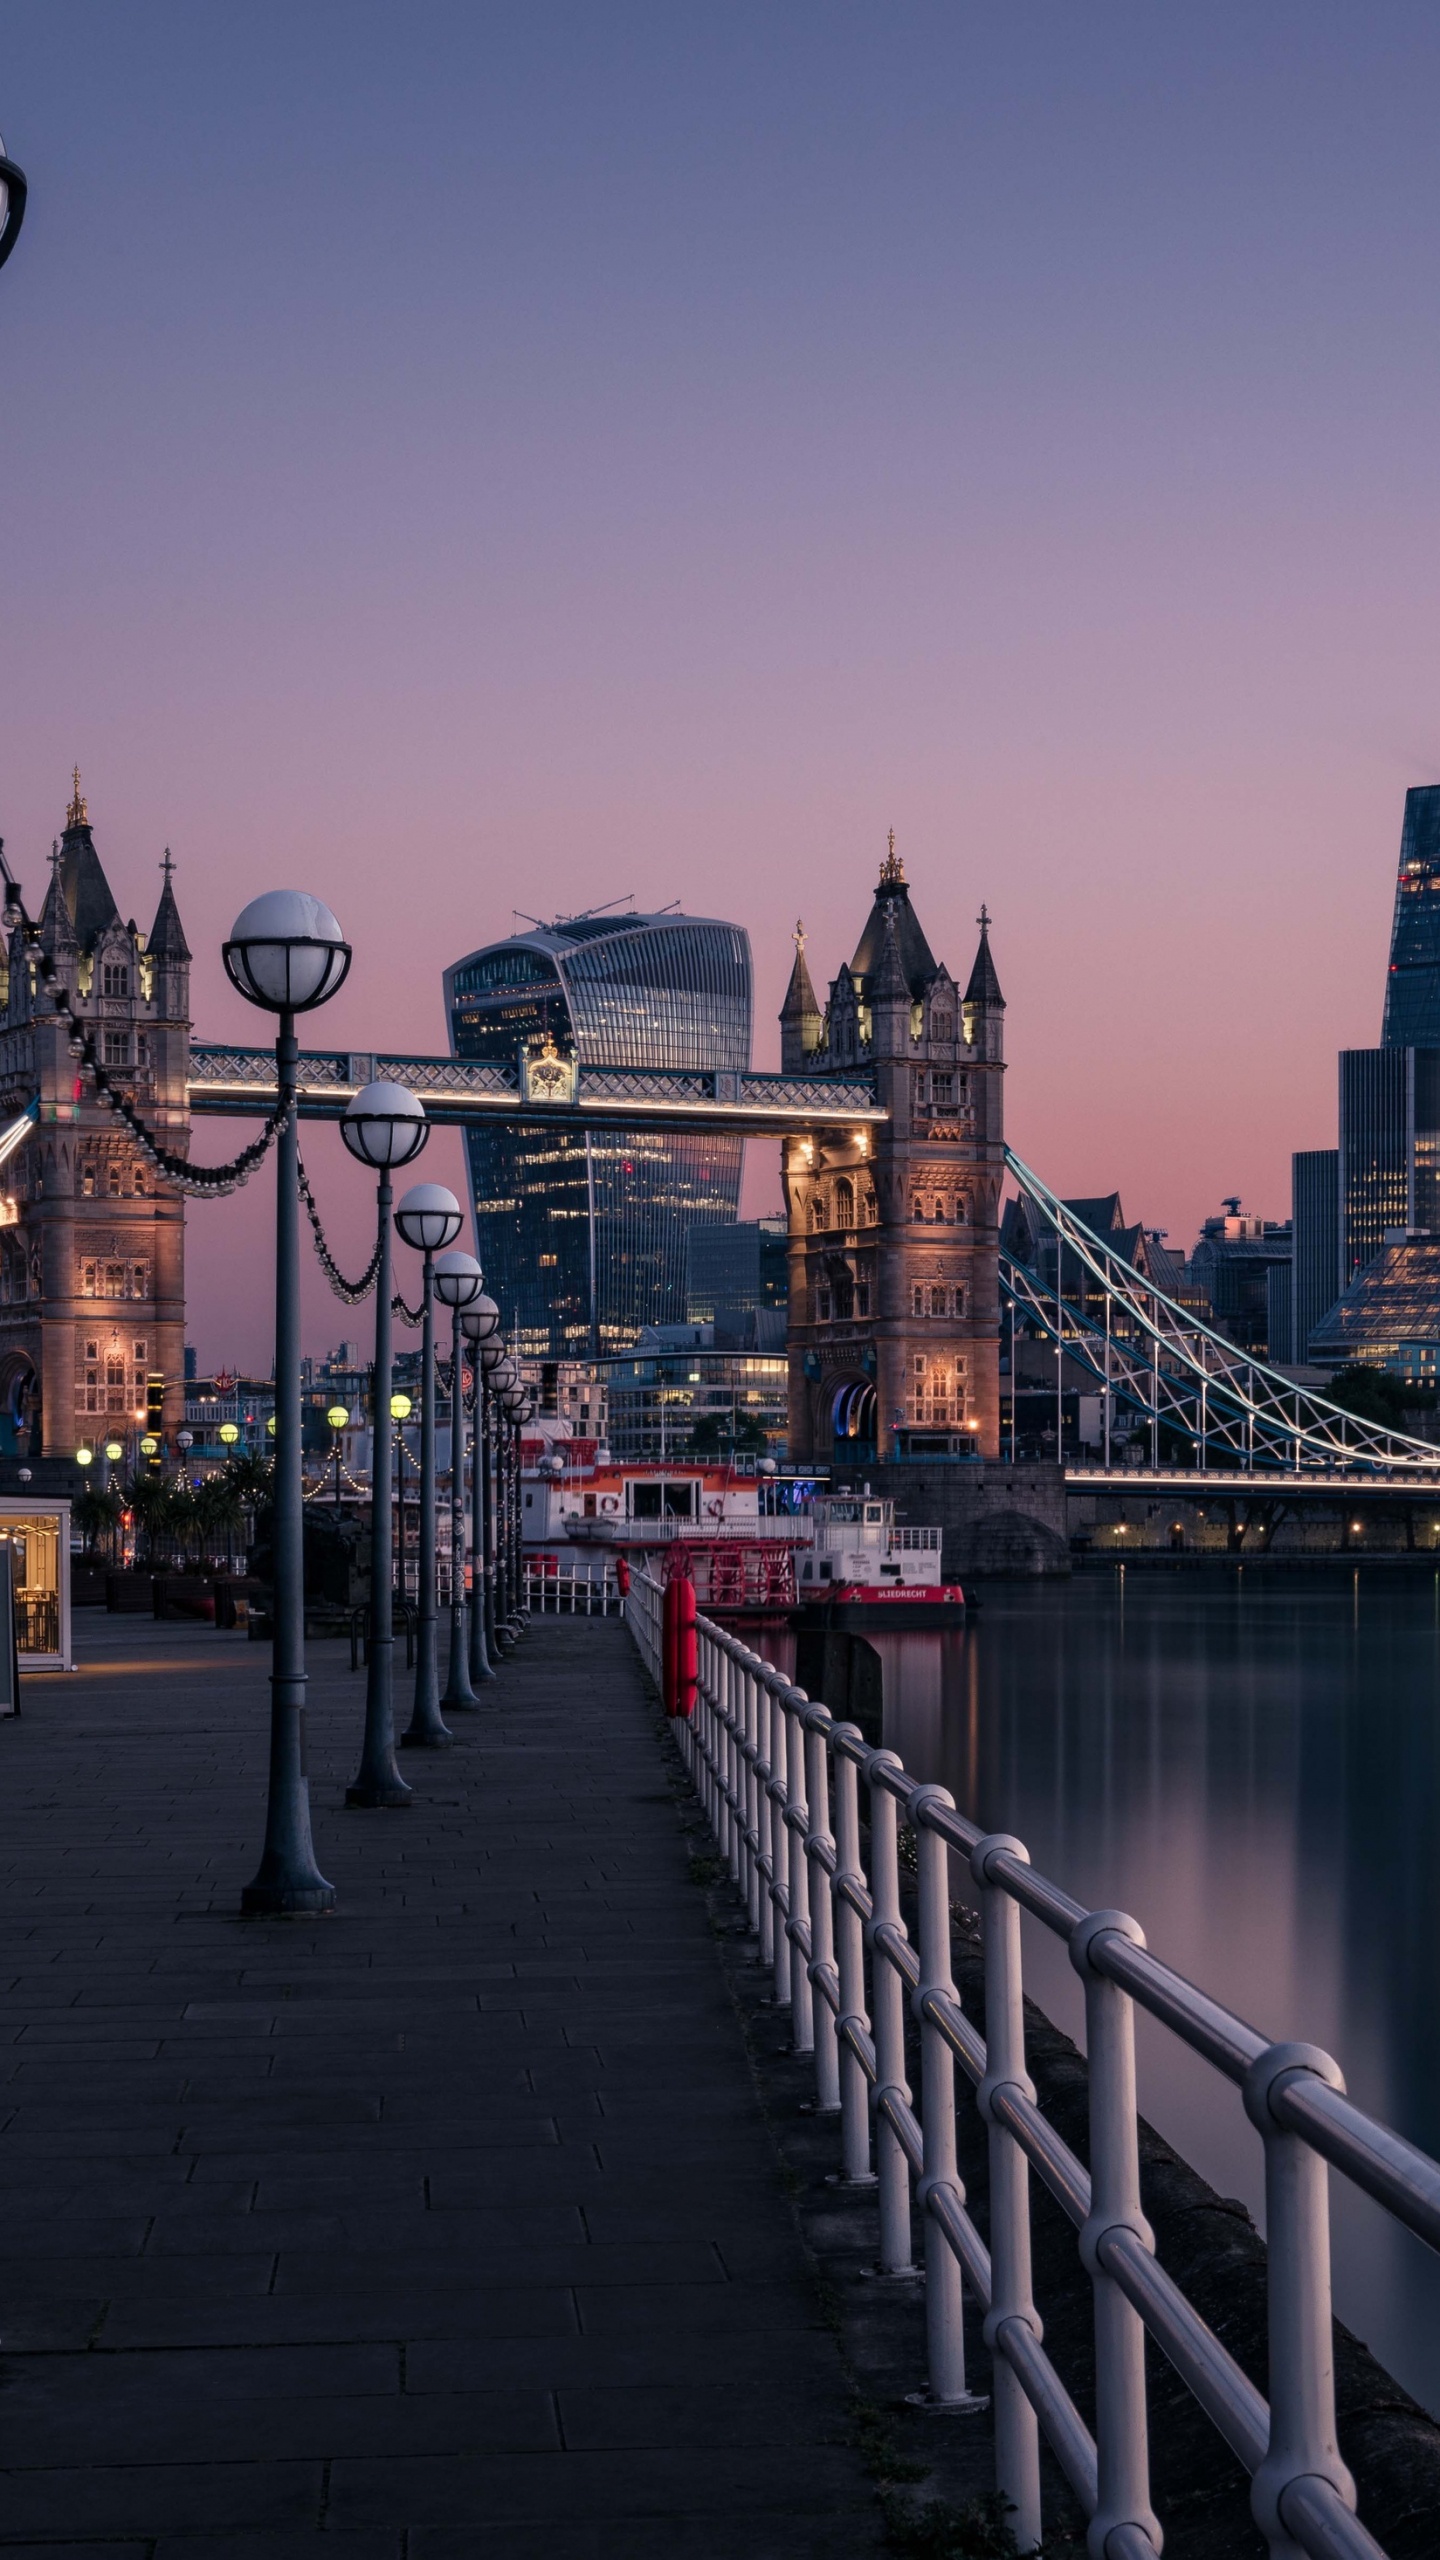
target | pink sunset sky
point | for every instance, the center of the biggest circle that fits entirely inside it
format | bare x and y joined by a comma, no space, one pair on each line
463,459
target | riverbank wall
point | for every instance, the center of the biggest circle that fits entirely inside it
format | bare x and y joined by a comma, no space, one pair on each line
997,1518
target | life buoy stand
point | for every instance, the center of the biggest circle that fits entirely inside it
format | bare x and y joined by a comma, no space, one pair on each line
680,1648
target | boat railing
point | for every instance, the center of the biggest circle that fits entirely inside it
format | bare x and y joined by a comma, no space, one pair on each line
780,1780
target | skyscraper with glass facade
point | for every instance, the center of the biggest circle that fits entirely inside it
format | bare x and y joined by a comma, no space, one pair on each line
583,1234
1412,987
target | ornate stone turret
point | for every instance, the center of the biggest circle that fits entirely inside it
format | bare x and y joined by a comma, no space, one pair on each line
801,1027
894,1241
92,1277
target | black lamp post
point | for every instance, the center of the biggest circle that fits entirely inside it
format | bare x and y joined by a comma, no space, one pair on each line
459,1283
428,1219
503,1377
384,1126
479,1324
287,954
13,192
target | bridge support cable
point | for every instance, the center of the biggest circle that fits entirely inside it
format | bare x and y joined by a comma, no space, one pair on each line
1177,1373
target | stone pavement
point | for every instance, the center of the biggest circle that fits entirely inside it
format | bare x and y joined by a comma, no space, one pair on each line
447,2227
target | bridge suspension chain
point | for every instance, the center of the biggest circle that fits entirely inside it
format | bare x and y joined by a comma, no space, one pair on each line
1161,1360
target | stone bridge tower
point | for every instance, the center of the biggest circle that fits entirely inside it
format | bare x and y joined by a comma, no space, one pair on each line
92,1241
894,1236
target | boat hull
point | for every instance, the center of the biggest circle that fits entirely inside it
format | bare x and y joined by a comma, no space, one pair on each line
904,1607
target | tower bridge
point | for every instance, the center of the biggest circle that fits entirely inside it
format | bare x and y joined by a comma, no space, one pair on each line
888,1112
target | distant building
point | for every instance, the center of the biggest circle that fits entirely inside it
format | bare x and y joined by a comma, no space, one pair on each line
1232,1263
1412,986
736,1268
583,1234
1389,1317
680,1389
1315,1231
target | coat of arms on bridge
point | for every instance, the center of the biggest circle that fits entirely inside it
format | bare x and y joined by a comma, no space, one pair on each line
547,1076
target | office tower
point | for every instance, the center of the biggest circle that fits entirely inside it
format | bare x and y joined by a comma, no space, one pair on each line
583,1234
1389,1149
1315,1222
737,1268
1412,987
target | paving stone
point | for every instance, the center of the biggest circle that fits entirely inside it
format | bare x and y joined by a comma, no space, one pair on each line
449,2226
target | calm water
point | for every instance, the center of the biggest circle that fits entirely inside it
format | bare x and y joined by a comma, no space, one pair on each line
1251,1765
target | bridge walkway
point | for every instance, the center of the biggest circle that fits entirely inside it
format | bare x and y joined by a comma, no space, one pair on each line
451,2226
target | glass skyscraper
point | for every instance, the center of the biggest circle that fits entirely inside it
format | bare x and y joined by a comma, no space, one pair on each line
583,1233
1412,987
1315,1225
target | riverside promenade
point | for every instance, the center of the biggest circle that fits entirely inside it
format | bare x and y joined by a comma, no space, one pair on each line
448,2227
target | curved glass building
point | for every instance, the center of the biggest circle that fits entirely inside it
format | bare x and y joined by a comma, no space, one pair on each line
582,1234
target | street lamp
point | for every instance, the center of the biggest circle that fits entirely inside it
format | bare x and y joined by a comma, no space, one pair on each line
479,1324
286,953
337,1415
12,203
383,1127
428,1218
501,1378
459,1283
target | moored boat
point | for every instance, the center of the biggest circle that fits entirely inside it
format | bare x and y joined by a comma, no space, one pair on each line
865,1569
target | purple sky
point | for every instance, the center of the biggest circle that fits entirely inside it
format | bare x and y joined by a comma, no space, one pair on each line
457,458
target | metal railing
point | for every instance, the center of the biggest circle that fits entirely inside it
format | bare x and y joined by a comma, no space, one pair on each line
780,1782
576,1595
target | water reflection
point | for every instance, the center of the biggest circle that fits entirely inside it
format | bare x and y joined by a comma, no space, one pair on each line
1248,1762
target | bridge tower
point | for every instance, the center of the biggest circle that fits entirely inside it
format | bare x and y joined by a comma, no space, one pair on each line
894,1236
92,1242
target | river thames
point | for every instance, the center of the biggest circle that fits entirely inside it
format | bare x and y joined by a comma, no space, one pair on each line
1247,1760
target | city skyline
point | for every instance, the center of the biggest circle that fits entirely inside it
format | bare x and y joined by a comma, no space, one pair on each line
731,448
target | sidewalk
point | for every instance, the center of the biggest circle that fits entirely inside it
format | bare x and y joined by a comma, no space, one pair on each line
448,2227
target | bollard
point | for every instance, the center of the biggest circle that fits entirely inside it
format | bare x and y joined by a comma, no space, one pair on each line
680,1647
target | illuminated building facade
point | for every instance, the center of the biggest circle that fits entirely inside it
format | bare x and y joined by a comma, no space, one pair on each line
894,1308
583,1233
92,1241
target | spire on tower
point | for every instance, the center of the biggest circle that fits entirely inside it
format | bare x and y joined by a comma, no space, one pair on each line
801,1024
167,934
78,813
984,987
892,869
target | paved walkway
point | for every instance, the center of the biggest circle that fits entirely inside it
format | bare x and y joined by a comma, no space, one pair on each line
448,2227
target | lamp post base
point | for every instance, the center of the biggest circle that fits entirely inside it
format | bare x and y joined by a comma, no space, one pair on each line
262,1901
372,1798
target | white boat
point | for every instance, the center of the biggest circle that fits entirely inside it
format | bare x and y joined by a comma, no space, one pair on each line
862,1568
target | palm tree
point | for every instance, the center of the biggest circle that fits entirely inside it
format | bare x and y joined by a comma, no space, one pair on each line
220,1512
96,1515
148,1500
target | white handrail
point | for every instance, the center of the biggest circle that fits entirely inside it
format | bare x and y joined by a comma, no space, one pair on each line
768,1764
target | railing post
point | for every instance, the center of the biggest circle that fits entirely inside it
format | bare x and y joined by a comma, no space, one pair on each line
1017,2443
1297,2237
944,2305
887,2004
776,1788
1122,2439
751,1794
797,1824
765,1908
734,1765
850,1962
816,1721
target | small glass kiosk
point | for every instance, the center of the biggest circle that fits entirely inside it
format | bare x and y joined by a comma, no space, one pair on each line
38,1535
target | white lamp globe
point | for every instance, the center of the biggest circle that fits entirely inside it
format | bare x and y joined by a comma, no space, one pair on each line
459,1279
480,1320
428,1217
286,952
385,1125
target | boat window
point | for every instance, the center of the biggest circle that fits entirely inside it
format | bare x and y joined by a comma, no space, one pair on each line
644,1501
825,1574
680,1501
872,1511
